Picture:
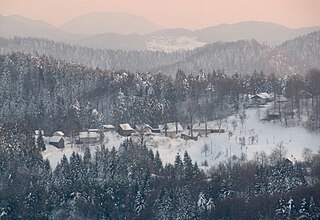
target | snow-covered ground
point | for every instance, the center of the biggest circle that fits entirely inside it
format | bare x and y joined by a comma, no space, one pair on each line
266,136
54,155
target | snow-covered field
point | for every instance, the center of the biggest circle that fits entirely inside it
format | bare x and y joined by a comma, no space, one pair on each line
265,135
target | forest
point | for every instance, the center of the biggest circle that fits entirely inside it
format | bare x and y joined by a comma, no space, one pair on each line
133,183
130,181
56,95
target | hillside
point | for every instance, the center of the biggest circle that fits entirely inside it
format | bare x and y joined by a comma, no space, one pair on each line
242,56
304,50
263,32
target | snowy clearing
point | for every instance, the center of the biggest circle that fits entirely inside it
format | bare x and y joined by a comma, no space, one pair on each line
257,136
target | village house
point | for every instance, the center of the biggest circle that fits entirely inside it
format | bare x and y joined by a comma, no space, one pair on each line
88,137
201,129
172,129
125,130
57,141
143,128
261,98
108,128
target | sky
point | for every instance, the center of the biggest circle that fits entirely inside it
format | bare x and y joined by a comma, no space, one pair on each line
191,14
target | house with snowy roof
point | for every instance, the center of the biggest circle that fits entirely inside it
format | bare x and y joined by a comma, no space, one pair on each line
57,141
58,133
143,128
107,128
172,129
125,130
261,98
88,137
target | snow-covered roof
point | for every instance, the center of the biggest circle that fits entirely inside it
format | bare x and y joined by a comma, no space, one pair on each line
87,134
108,126
58,133
263,95
126,127
54,139
93,130
171,127
142,127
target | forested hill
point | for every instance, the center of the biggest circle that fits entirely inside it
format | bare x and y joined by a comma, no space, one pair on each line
305,50
243,57
55,94
40,87
104,59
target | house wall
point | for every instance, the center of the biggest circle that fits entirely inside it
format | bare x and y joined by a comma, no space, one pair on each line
125,133
59,144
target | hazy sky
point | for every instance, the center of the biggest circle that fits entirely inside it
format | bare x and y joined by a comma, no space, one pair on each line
191,14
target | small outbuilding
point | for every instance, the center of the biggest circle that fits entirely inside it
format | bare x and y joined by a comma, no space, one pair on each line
261,98
143,128
125,130
172,129
57,141
107,128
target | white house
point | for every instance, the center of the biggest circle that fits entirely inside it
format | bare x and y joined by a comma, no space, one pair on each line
172,129
261,98
88,137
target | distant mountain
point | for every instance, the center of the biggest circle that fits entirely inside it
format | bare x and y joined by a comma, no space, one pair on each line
182,39
110,22
20,26
105,30
263,32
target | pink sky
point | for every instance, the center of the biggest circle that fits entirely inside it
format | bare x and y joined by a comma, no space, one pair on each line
192,14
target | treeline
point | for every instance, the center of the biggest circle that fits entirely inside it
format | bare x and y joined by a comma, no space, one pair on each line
56,95
133,60
133,183
244,56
